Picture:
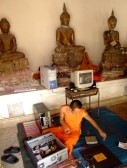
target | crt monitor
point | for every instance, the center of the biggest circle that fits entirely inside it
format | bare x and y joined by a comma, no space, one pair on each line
83,79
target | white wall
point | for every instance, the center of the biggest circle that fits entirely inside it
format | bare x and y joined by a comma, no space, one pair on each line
34,23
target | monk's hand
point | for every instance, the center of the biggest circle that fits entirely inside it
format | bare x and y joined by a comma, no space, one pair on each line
103,135
67,131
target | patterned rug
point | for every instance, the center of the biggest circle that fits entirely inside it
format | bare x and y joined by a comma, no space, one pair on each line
111,123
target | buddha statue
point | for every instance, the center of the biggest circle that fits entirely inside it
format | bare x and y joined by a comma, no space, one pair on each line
113,58
65,36
10,59
67,52
68,56
111,37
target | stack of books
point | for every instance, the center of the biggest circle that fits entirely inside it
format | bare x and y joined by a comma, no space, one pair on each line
69,163
99,156
90,139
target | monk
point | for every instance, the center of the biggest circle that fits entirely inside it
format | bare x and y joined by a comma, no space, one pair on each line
70,118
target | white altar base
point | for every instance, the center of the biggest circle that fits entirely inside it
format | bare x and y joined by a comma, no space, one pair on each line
21,103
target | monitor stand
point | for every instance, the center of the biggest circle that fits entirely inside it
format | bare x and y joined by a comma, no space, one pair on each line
83,89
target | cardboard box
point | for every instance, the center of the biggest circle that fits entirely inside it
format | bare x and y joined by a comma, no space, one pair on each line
46,151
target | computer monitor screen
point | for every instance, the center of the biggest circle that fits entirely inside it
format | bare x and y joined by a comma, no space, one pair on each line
82,79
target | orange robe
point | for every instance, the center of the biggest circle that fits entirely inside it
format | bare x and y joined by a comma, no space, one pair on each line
87,64
73,120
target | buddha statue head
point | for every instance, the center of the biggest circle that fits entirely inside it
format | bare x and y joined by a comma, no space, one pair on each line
65,17
112,21
4,25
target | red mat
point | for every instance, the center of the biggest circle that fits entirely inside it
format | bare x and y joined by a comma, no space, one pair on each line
31,129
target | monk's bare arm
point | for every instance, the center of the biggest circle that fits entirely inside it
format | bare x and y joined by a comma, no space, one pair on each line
62,119
101,132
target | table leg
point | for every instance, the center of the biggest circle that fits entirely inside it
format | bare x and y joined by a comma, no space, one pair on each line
98,102
66,98
89,102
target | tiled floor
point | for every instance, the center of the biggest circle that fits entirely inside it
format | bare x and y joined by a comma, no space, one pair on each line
8,135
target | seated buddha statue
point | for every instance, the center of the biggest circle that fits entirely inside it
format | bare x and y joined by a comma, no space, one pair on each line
112,58
67,52
65,36
111,37
10,58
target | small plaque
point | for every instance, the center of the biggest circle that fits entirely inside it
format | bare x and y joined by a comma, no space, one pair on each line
113,43
100,157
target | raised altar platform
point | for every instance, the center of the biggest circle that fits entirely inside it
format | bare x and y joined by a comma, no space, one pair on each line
17,104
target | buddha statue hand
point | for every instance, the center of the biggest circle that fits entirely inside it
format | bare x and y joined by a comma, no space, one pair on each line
60,49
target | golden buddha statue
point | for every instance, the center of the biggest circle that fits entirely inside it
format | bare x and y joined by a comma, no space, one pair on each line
111,37
65,36
113,58
10,59
68,56
66,51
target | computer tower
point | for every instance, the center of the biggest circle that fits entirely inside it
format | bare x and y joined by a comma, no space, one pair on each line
42,115
48,77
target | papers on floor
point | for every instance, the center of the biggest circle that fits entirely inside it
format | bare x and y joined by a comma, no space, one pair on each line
122,145
91,139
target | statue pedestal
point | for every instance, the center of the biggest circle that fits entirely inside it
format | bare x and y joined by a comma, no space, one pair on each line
63,75
10,66
18,81
113,63
65,63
